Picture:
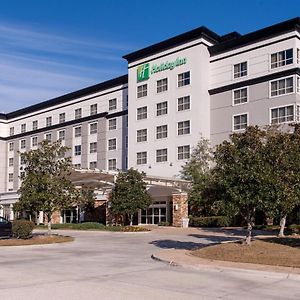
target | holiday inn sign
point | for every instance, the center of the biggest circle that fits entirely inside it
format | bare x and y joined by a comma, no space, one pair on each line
143,71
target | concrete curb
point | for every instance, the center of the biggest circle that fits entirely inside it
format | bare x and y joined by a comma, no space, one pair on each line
217,267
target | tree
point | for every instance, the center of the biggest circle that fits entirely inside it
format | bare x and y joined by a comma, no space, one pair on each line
241,171
129,194
203,194
45,185
282,153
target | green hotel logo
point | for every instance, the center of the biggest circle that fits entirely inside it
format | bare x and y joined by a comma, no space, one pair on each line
143,72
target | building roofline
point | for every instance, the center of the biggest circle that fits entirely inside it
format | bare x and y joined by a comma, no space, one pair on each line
67,97
255,36
173,42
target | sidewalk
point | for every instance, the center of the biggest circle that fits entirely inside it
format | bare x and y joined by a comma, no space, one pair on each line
183,258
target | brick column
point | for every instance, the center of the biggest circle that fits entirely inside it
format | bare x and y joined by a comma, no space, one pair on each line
180,208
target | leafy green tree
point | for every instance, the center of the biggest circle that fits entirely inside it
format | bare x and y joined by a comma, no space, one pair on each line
203,194
283,155
129,194
45,185
241,171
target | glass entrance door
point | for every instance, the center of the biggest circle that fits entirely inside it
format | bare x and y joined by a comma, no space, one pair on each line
155,214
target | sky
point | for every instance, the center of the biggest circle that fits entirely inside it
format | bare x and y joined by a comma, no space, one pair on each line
52,47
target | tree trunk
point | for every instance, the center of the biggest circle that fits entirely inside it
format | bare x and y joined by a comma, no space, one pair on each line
130,219
49,224
282,225
249,233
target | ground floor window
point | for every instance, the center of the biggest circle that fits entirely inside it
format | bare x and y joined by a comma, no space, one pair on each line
70,215
154,214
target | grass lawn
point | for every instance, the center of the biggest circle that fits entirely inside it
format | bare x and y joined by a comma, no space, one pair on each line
275,251
37,240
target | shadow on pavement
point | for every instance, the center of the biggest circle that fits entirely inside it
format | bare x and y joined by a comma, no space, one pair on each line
171,244
239,231
215,239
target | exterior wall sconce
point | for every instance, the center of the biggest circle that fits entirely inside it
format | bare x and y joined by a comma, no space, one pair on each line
149,167
176,207
171,164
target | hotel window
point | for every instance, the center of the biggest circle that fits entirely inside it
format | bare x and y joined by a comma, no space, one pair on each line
48,121
48,137
298,84
93,147
112,124
141,113
161,131
141,158
126,141
23,128
126,103
162,108
162,85
112,164
112,104
11,146
183,103
22,160
183,127
161,155
184,79
282,86
62,118
77,150
141,135
77,131
93,165
77,166
10,161
298,55
93,109
142,91
10,177
282,58
240,122
34,125
183,152
240,70
112,144
240,96
78,113
284,114
62,135
126,121
93,128
11,131
34,141
23,144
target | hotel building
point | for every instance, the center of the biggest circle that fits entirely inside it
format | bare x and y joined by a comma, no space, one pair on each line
195,84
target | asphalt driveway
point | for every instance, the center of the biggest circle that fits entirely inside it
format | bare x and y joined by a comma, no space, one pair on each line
110,265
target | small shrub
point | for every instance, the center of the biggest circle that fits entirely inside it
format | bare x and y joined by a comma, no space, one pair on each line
294,228
79,226
163,224
213,221
22,229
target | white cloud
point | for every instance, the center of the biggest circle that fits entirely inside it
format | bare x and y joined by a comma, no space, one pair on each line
36,66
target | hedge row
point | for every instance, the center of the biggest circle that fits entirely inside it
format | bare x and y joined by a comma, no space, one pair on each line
214,221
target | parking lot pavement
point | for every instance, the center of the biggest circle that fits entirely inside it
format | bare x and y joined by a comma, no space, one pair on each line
110,265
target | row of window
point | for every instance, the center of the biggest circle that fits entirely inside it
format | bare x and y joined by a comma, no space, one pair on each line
183,127
112,105
183,79
111,165
278,115
183,103
278,59
183,152
278,87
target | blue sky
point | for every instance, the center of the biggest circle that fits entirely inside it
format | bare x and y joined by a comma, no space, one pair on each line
50,47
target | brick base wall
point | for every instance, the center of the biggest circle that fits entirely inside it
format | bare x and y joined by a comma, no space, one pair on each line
180,208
